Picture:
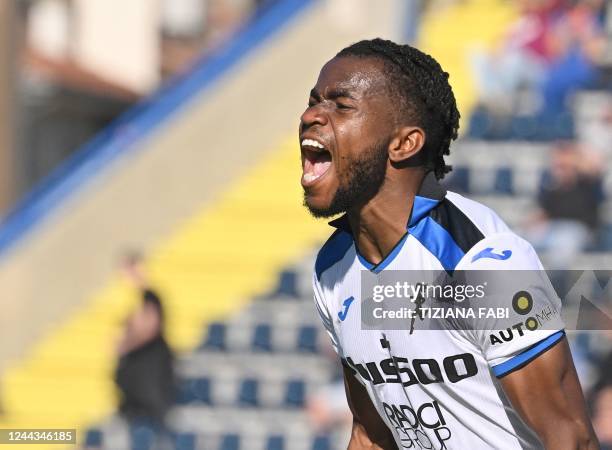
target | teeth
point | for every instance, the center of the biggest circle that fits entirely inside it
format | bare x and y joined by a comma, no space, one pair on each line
312,143
308,177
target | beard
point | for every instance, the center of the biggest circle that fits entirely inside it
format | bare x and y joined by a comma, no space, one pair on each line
366,176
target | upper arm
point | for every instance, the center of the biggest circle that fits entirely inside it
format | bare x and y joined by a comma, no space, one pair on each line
547,395
515,283
528,350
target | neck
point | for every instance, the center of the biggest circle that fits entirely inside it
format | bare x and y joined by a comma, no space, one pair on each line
378,225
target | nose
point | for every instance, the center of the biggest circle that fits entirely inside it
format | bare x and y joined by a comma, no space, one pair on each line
314,115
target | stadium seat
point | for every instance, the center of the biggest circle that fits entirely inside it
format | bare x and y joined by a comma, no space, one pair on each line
215,337
524,128
184,441
143,436
194,390
248,392
321,442
262,338
503,181
93,438
275,442
286,287
605,237
459,180
294,394
184,394
201,390
307,339
230,442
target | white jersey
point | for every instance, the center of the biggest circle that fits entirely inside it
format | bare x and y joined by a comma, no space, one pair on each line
437,388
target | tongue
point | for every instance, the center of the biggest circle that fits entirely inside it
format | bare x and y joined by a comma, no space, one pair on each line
322,164
320,167
308,166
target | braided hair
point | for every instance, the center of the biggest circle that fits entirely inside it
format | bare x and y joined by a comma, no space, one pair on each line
425,96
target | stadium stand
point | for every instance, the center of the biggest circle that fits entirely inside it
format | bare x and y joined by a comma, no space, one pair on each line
252,350
154,183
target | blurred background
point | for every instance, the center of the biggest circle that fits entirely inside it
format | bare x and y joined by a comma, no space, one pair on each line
155,257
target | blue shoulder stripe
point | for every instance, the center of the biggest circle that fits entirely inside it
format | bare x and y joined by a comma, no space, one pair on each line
435,238
332,251
420,208
524,358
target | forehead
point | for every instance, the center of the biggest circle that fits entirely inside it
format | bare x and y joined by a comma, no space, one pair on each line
358,75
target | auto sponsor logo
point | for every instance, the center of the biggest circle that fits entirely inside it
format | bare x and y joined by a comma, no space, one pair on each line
522,304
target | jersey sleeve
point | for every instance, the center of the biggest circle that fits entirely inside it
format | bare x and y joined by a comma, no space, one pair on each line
324,314
521,311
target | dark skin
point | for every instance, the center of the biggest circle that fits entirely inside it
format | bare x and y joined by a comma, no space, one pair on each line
349,113
350,110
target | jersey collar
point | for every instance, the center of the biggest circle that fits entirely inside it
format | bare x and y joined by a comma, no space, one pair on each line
430,194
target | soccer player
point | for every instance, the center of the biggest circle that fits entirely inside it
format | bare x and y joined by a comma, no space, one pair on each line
379,121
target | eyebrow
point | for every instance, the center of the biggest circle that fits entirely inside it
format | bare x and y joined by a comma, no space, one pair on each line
333,94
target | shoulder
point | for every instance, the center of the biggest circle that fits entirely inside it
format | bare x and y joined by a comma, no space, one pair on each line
481,217
454,226
494,244
458,227
506,251
332,252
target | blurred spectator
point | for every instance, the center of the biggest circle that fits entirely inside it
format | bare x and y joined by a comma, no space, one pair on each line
327,407
600,404
144,372
552,50
523,57
413,10
602,417
570,198
576,43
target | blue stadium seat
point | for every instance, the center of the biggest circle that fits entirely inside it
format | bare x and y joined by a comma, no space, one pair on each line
142,436
262,338
287,284
248,392
184,394
215,338
458,180
322,442
286,287
184,441
230,442
504,181
295,393
605,238
524,128
93,438
194,390
275,442
481,124
307,339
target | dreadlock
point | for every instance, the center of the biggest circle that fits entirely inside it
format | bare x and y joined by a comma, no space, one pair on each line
426,97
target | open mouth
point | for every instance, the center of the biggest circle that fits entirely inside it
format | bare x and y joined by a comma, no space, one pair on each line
317,161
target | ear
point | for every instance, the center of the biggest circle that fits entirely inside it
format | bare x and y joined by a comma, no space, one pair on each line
407,142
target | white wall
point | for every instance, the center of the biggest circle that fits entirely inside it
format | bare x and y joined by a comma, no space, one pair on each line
119,40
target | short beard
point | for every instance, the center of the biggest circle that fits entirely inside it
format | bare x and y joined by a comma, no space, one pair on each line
366,177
